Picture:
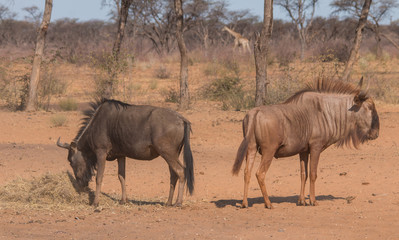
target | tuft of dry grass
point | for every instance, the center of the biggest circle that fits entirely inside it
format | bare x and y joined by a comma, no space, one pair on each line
58,120
162,72
50,191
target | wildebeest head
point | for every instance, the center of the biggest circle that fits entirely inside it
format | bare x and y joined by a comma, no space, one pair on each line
80,163
366,117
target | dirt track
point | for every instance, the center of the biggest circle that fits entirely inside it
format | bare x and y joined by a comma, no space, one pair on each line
357,190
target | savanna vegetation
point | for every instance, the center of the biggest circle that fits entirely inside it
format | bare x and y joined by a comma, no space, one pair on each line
78,59
38,195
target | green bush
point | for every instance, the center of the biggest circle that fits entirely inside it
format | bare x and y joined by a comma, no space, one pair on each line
230,92
68,104
153,84
220,88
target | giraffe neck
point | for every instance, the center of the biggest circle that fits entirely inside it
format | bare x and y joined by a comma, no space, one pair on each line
236,35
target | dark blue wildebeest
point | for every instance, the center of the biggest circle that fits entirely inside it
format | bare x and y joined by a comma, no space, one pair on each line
115,130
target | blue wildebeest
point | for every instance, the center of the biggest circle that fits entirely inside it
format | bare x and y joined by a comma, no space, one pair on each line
325,113
115,130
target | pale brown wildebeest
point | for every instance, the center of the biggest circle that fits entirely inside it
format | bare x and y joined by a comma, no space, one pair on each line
115,130
324,113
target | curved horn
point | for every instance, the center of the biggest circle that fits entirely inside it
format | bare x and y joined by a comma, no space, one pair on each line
63,145
360,84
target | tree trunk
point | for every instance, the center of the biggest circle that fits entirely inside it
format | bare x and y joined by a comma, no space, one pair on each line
260,53
357,41
184,93
303,43
378,42
37,59
123,14
378,49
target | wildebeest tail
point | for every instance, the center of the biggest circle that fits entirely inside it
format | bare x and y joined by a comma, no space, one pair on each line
247,126
188,158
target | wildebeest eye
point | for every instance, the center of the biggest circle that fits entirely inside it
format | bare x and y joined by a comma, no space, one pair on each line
354,108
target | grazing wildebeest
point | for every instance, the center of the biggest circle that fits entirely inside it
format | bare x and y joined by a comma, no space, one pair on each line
115,130
324,113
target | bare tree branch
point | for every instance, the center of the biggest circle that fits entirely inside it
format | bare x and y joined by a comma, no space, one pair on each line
302,18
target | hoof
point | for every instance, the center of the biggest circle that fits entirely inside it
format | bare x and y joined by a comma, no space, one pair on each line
301,203
122,202
269,206
177,205
315,203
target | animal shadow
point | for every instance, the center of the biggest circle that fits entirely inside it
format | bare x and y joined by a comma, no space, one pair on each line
259,200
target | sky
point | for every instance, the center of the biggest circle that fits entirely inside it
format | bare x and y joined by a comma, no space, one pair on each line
85,10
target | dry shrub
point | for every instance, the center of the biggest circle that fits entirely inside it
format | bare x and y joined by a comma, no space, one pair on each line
238,102
380,77
162,72
58,120
53,191
110,71
280,90
170,95
337,50
284,51
386,90
211,69
286,80
49,85
13,90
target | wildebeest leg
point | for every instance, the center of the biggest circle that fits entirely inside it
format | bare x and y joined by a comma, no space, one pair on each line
101,155
314,161
173,181
178,169
121,176
304,159
267,157
250,159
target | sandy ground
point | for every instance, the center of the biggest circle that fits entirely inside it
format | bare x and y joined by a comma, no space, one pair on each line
357,190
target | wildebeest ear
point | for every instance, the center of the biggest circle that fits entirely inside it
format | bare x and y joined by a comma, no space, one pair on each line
73,145
360,98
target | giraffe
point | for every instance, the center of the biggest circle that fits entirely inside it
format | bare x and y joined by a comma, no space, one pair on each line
239,40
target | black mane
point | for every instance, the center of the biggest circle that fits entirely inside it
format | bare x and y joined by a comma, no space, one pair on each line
94,106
